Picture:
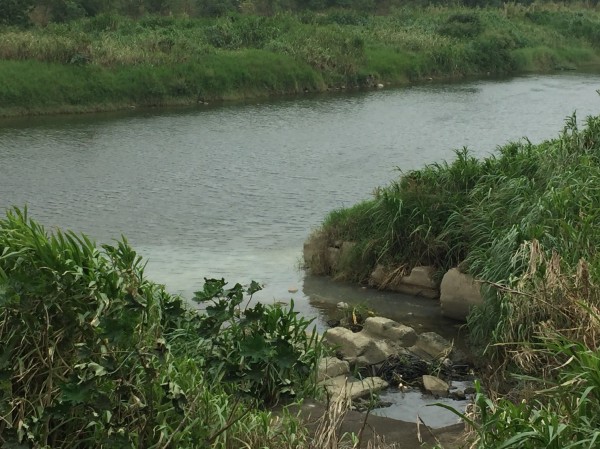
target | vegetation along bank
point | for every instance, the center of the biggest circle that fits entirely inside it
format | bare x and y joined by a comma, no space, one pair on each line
526,224
95,355
83,57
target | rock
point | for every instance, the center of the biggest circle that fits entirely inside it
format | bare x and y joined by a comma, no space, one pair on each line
431,345
419,282
358,348
458,395
470,390
331,367
390,330
458,293
422,276
447,363
314,252
354,388
379,86
293,290
435,386
342,305
378,276
346,248
333,258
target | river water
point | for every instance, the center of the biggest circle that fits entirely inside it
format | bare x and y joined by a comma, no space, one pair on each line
233,190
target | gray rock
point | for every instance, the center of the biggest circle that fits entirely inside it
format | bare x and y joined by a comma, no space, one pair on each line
421,276
358,347
470,390
459,292
431,345
390,330
333,258
315,253
378,276
331,367
419,282
342,305
435,386
458,394
354,388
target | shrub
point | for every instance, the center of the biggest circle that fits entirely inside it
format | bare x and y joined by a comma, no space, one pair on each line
463,25
15,12
95,355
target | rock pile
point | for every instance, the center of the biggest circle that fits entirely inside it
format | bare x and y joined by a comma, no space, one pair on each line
386,353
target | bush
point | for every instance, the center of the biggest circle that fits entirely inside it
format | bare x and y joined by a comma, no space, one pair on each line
15,12
95,355
462,26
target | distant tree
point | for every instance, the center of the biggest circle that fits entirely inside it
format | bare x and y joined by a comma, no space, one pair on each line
216,7
15,12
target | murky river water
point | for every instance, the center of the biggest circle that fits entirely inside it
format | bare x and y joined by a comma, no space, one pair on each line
233,191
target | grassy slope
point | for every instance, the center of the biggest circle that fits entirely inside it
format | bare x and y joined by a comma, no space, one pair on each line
109,62
526,220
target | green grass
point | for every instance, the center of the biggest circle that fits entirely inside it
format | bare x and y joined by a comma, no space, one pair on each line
519,220
525,222
110,61
96,355
31,85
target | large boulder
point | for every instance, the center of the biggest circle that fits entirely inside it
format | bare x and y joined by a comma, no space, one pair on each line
458,293
432,346
390,330
352,388
358,348
330,367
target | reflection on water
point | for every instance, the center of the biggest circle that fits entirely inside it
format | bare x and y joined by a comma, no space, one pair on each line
233,191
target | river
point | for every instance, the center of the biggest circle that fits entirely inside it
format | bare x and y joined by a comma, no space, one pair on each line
233,190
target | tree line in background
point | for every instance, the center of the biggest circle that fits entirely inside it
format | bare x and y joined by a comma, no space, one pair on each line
42,12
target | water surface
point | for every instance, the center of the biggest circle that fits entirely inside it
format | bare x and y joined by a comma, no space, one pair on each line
233,191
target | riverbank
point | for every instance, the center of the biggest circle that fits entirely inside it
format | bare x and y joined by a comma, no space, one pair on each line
96,353
524,224
110,62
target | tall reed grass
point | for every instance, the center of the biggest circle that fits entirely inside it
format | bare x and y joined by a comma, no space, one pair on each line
530,211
